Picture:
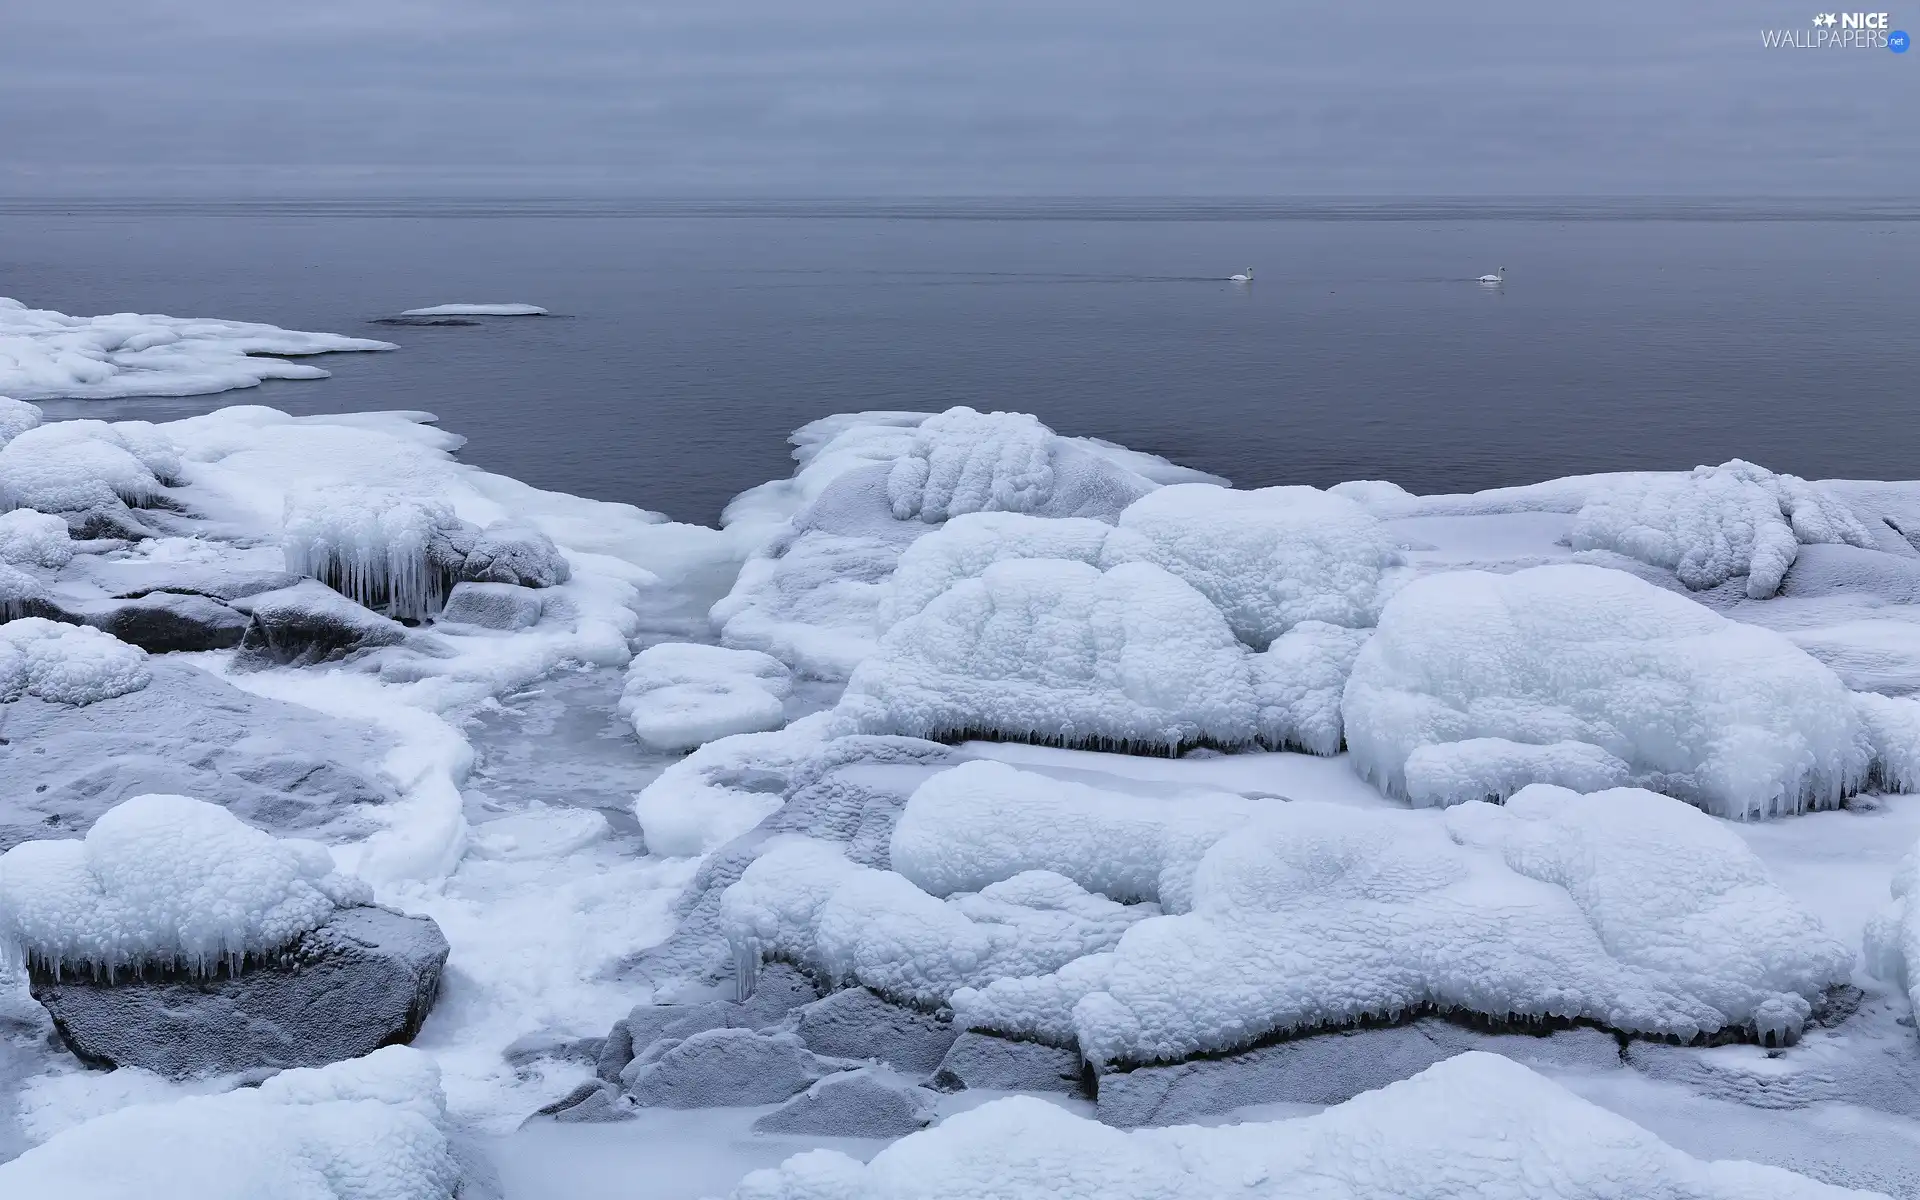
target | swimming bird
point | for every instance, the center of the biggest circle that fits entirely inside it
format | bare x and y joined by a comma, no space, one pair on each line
1500,278
1247,278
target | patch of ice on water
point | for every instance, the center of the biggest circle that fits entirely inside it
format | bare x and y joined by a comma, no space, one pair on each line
476,310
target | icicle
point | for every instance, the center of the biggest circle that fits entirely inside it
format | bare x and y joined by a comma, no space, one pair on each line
746,968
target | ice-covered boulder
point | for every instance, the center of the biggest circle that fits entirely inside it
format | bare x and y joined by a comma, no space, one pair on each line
364,978
967,545
866,1103
809,600
383,549
680,695
164,622
1475,1125
1892,941
726,1067
48,355
1060,652
1580,675
981,1061
66,664
309,623
165,882
34,539
504,607
16,417
90,472
855,1023
803,901
1624,908
374,1128
23,595
1269,559
963,461
1717,523
1299,681
504,552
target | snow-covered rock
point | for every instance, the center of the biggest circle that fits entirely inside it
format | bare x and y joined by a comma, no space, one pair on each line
1625,908
476,310
34,539
504,607
374,1128
810,601
1299,681
1494,678
16,417
728,1067
865,1103
963,461
980,1061
1892,941
967,545
165,882
1717,523
309,623
855,1023
66,664
88,467
680,695
1058,651
1475,1125
506,552
1269,559
364,978
375,546
47,355
165,622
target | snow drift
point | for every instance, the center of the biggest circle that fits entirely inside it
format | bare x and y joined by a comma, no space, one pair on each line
66,664
1474,1125
1717,523
165,882
372,1128
1476,684
47,355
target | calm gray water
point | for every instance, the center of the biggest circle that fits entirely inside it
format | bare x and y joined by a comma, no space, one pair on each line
693,336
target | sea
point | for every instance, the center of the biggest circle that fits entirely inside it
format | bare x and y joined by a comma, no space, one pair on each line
689,336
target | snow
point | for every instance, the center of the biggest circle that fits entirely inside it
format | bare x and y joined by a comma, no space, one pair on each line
66,664
680,695
720,791
1474,1125
1892,935
964,461
16,417
1717,523
1059,651
166,882
74,466
34,539
373,1128
477,310
1298,682
48,355
1319,915
1727,716
1269,559
373,545
969,544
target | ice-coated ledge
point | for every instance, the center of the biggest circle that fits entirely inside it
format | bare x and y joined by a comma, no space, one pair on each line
47,355
1475,1125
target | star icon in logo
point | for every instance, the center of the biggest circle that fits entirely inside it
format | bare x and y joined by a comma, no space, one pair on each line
1825,19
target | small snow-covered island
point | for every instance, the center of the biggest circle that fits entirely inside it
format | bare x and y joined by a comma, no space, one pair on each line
981,811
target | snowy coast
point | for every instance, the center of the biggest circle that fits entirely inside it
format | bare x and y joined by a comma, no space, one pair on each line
982,809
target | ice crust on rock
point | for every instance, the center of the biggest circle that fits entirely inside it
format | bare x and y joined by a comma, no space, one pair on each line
967,545
680,695
1475,1125
165,882
1298,683
965,461
372,1128
1892,940
476,310
1623,908
48,355
1269,559
1061,652
34,539
16,417
1489,678
374,545
89,467
66,664
1717,523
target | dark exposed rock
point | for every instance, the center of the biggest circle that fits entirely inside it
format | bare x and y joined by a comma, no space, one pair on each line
980,1060
855,1023
866,1103
309,623
162,622
593,1102
503,552
724,1067
365,979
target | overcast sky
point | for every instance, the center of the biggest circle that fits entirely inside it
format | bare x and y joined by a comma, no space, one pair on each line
1062,97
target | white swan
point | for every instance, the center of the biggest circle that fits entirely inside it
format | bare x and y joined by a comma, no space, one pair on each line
1500,278
1247,278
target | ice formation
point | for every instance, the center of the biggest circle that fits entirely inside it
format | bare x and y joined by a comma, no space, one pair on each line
372,1128
964,461
680,695
1298,682
724,788
1624,908
812,605
16,417
165,882
969,544
76,466
374,545
803,902
1717,523
34,539
48,355
66,664
1057,651
477,310
1474,1125
1892,940
1502,672
1269,559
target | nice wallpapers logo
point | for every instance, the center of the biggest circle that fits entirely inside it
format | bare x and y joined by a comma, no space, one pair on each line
1840,31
